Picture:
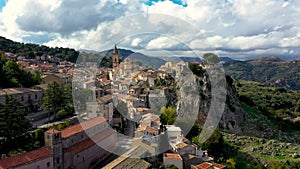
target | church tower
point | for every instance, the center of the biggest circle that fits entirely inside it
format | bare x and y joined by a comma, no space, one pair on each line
115,59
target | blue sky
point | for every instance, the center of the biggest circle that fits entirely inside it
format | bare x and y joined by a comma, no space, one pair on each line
238,29
178,2
2,3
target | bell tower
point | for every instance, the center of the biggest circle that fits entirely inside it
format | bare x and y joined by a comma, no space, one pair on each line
115,59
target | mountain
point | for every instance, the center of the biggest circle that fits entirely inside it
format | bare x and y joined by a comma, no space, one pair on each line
271,70
147,60
192,59
139,57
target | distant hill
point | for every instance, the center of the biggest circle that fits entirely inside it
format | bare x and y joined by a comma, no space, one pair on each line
270,70
30,51
139,57
192,59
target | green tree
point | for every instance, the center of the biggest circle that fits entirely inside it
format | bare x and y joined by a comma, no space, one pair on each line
168,115
171,166
57,97
211,58
12,119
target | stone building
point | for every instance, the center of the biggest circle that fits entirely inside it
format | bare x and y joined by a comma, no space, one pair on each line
30,98
79,146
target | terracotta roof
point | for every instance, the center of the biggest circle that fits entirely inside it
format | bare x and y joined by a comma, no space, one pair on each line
25,158
172,156
205,165
89,142
218,165
81,127
152,130
52,131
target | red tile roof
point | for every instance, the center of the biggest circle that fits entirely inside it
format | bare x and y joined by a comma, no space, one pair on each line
151,130
81,127
172,156
204,165
218,165
89,142
25,158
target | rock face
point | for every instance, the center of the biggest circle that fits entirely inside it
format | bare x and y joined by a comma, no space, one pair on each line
194,100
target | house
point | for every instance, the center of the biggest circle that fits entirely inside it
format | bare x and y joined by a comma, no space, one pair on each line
30,98
173,132
183,148
207,165
40,159
173,159
58,78
189,160
106,107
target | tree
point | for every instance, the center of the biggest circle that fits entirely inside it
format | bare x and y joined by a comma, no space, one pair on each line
57,97
171,166
12,119
210,58
215,144
168,115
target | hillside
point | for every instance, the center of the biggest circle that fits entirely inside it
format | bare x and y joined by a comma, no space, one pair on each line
270,70
30,51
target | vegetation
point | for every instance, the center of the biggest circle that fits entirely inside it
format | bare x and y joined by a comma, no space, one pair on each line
32,50
13,129
210,58
196,69
275,102
12,75
61,126
58,98
268,70
168,115
12,119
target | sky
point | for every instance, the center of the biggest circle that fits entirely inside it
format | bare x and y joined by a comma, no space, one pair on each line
231,28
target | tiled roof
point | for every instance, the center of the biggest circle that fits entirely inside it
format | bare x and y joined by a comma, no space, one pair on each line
152,130
81,127
172,156
205,165
89,142
218,165
25,158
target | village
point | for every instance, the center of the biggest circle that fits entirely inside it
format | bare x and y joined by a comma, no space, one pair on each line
121,116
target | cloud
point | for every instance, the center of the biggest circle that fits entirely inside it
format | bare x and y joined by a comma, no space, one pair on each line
136,42
232,27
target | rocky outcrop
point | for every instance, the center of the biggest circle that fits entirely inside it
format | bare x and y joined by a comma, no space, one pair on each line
195,101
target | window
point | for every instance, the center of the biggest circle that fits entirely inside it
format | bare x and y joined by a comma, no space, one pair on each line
35,96
48,164
29,97
22,98
83,159
38,167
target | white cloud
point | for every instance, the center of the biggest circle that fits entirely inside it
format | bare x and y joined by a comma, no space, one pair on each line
136,42
232,27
